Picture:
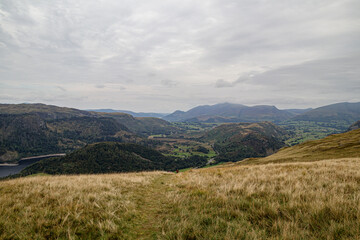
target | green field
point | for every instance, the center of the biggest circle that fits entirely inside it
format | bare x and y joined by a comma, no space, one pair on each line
302,131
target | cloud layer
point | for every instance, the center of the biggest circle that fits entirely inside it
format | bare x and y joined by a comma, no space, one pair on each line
167,55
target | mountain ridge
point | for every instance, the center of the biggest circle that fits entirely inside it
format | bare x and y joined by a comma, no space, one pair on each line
344,111
231,112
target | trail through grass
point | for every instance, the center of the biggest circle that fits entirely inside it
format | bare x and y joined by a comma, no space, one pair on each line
152,208
303,200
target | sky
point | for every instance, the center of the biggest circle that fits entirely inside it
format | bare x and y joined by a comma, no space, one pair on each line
160,56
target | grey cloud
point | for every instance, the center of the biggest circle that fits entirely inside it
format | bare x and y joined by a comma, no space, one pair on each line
168,83
304,44
222,83
61,88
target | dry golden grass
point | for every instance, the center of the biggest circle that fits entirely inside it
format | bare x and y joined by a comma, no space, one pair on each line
343,145
303,200
317,200
72,207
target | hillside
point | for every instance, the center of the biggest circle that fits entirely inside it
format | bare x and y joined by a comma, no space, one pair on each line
36,129
45,112
30,135
144,126
236,141
230,113
312,200
343,145
110,157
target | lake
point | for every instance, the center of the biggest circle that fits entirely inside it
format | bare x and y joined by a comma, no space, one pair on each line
11,170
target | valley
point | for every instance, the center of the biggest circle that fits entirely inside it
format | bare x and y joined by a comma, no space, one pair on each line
35,129
261,198
179,120
118,178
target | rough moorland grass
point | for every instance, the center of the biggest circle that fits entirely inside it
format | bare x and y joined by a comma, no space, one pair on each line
303,200
72,207
344,145
318,200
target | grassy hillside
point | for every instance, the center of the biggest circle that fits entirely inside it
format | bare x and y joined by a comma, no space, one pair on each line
236,141
305,200
343,145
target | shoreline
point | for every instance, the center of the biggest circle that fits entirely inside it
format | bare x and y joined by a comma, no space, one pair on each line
9,164
30,158
44,156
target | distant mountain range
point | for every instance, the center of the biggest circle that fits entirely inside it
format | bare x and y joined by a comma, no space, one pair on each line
229,112
134,114
37,129
348,112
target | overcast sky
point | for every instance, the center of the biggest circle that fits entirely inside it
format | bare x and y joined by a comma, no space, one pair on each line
163,55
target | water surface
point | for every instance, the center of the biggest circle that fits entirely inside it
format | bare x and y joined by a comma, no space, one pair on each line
10,170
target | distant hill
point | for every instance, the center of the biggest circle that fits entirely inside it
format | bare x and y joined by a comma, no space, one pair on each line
37,129
105,157
45,112
111,157
30,135
134,114
143,126
321,122
236,141
354,126
343,145
229,112
347,112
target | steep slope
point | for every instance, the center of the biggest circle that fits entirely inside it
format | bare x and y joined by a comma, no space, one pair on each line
230,113
236,141
343,145
347,112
